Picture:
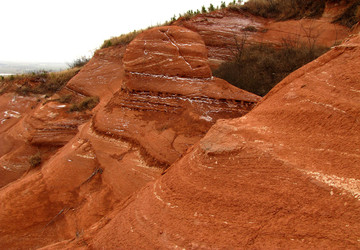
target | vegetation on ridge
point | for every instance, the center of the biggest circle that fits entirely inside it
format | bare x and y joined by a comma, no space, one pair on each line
297,9
41,82
88,103
258,68
284,9
125,39
278,9
350,16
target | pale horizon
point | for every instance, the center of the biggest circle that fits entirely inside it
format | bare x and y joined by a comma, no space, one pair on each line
42,31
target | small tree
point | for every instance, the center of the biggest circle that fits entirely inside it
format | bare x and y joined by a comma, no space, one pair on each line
211,7
203,9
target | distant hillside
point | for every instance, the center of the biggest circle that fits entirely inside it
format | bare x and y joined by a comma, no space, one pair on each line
25,67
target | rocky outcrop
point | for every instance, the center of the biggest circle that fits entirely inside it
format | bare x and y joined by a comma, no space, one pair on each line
169,98
34,125
224,30
145,121
283,176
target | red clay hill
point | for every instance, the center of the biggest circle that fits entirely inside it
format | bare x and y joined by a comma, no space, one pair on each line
174,157
154,115
286,175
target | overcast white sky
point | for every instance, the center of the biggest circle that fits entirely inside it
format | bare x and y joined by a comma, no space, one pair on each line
63,30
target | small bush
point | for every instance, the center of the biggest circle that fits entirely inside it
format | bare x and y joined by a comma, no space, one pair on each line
123,39
87,103
35,160
351,15
257,68
45,82
250,28
211,7
285,9
66,98
203,9
80,62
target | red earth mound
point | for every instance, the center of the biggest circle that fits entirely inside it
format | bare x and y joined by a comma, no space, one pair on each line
150,121
286,175
221,30
34,124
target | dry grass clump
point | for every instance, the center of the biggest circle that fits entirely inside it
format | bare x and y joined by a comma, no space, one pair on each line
35,160
43,82
88,103
258,68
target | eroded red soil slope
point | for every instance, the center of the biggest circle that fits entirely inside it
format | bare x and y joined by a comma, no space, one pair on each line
165,101
34,124
222,29
286,175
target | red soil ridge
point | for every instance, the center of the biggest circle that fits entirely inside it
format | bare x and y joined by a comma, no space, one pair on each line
286,175
137,130
221,29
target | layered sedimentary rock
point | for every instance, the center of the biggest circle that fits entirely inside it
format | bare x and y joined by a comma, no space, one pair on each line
154,116
286,175
169,98
224,30
31,125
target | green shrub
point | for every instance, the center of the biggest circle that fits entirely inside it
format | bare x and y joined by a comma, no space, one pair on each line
87,103
258,68
203,9
79,62
211,7
35,160
123,39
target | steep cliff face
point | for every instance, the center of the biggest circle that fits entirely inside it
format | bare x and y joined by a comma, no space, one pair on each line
286,175
148,116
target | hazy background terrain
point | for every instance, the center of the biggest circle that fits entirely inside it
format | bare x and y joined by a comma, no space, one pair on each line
12,68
